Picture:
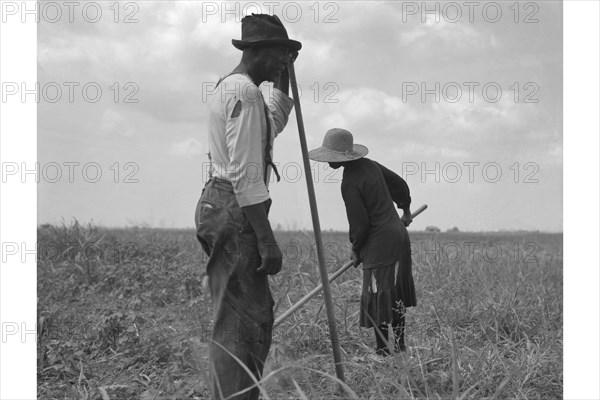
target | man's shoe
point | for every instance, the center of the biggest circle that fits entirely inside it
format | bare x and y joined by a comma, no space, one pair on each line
384,352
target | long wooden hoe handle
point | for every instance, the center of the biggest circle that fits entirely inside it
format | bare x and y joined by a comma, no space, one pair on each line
333,335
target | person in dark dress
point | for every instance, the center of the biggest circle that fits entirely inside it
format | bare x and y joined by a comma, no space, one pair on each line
378,235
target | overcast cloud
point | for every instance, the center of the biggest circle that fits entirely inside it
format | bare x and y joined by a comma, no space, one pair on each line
359,68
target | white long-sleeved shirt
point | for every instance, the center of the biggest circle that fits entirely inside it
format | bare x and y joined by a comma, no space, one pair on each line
237,142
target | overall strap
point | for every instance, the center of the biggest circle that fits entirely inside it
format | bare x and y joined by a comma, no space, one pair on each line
268,147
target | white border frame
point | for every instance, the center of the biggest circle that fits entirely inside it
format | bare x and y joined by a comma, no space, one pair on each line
18,206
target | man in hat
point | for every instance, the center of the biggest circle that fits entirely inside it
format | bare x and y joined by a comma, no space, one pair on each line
231,216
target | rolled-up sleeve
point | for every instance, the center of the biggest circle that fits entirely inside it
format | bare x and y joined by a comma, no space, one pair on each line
280,106
244,144
358,217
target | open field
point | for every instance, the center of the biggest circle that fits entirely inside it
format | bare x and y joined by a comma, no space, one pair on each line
122,315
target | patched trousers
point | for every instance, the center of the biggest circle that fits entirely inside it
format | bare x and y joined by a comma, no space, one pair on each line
241,298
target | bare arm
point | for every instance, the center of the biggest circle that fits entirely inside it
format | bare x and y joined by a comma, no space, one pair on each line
283,83
267,246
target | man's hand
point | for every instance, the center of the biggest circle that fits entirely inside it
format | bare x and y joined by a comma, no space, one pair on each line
292,56
406,217
271,258
267,246
283,83
356,259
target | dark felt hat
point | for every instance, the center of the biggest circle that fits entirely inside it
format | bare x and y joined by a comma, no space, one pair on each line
264,29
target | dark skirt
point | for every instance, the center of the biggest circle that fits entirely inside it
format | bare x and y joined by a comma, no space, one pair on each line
386,292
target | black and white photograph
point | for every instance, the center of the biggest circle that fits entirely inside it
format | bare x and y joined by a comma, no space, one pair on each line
299,200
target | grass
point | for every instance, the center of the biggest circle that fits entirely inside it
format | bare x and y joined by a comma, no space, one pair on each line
122,315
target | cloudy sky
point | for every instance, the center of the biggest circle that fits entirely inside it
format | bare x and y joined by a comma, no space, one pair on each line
465,103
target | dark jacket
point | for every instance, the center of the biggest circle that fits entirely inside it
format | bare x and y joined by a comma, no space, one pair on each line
376,232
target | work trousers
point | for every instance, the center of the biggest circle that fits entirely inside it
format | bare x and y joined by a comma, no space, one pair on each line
241,297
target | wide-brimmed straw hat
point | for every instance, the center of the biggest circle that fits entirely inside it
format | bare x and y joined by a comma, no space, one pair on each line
262,30
338,146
